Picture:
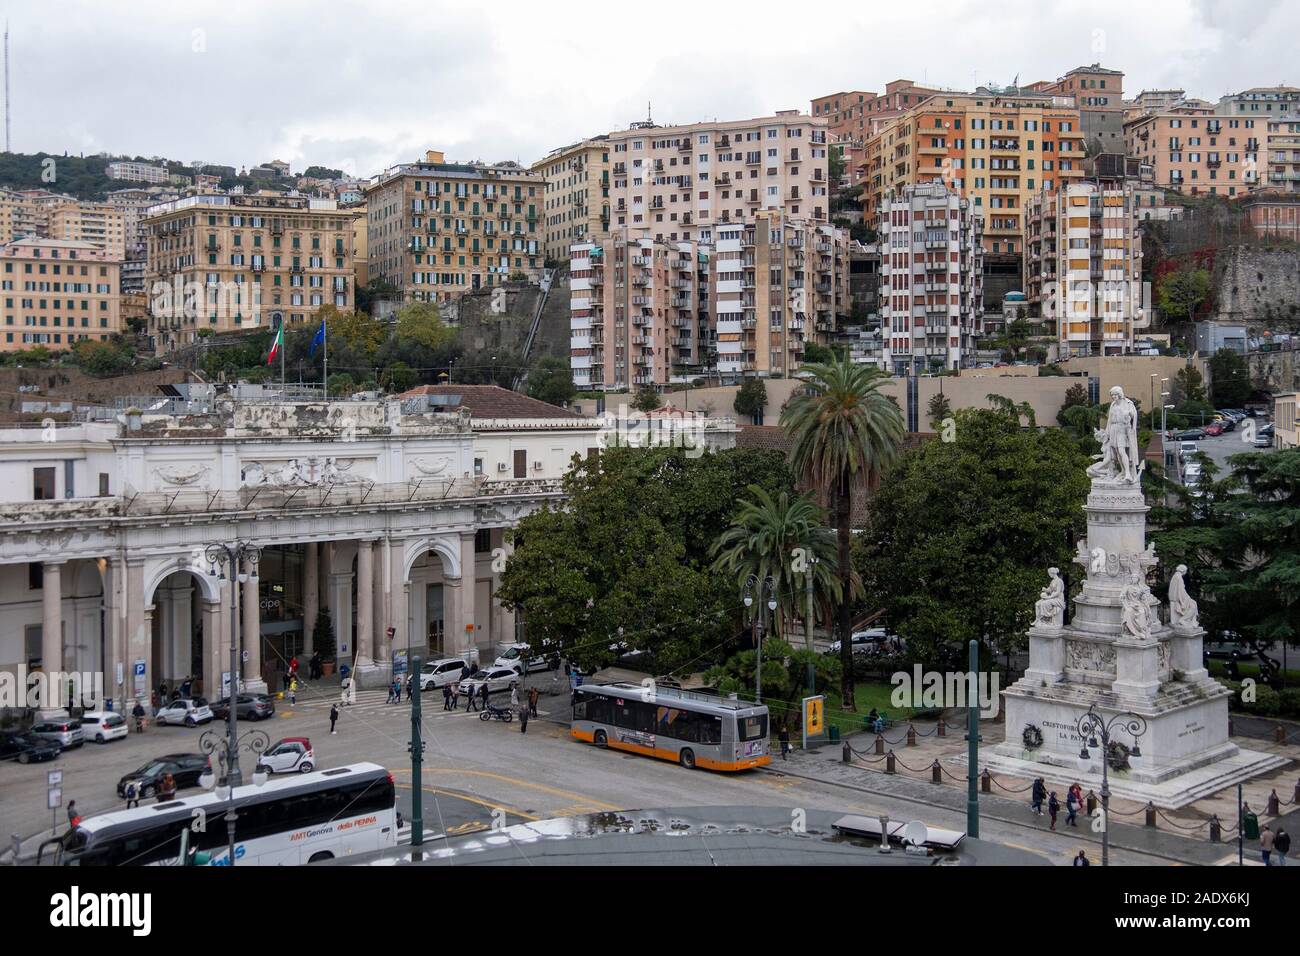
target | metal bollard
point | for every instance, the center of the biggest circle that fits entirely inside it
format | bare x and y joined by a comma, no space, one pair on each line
1151,814
1216,829
936,772
848,753
1231,730
889,762
1091,802
880,744
943,728
911,736
1295,797
986,781
1273,809
1279,734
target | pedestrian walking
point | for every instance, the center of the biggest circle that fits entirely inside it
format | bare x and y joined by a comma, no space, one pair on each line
1053,808
409,688
73,816
1073,800
138,713
293,666
389,698
446,697
1266,840
1082,859
334,717
313,666
167,788
471,702
455,695
784,737
532,701
293,691
483,695
1038,795
523,720
514,695
1281,846
132,794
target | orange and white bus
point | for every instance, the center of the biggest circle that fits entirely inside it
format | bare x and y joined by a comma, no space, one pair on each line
690,728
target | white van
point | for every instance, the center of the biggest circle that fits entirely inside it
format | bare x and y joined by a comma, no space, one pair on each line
436,674
520,657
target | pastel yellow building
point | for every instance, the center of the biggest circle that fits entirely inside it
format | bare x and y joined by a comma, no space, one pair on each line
575,206
58,292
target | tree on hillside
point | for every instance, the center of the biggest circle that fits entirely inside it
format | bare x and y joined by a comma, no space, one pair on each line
960,534
1181,292
845,430
939,408
751,398
1230,379
551,380
647,399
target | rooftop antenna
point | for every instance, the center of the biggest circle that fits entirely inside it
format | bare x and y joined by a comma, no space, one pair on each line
6,85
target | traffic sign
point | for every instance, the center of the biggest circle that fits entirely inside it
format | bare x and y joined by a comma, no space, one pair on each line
53,778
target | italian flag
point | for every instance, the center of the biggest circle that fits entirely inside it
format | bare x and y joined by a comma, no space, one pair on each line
276,344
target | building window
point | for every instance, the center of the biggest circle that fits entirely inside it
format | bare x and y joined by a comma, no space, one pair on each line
43,484
35,577
483,541
521,463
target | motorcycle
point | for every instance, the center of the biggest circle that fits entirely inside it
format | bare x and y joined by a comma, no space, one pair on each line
497,713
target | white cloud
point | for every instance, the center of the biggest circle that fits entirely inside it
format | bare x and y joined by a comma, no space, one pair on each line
371,85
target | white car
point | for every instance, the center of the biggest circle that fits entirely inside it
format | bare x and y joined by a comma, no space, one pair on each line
519,657
875,640
437,674
496,678
102,726
188,711
291,755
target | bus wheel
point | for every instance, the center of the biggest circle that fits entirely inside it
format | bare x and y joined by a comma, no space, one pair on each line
687,758
599,739
317,857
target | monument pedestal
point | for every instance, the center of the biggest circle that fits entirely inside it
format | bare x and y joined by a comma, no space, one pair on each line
1143,679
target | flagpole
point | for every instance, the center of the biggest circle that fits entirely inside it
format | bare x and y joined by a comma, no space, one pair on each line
325,356
283,345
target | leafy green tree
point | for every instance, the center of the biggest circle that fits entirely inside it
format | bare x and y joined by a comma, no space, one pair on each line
342,384
960,534
775,537
1019,412
1181,292
844,429
552,381
814,354
940,408
398,377
421,323
751,398
372,291
1240,539
630,549
1189,386
647,399
114,357
322,635
784,674
1230,377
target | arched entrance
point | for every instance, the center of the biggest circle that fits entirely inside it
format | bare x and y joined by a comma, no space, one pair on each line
432,590
188,629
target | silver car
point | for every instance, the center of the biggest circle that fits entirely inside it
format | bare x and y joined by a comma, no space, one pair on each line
65,733
187,711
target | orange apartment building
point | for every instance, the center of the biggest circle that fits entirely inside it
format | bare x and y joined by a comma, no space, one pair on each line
58,292
576,201
997,148
1099,94
679,183
1195,150
855,116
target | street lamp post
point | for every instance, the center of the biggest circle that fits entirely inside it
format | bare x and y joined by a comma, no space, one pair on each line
1091,727
808,624
220,557
255,742
768,586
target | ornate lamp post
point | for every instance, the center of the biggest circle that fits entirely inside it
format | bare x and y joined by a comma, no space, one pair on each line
220,558
254,742
1091,727
768,586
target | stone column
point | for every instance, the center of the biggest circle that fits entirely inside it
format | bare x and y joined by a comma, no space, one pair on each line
365,603
504,620
467,634
340,605
51,634
139,633
250,634
310,595
113,634
176,622
379,583
216,652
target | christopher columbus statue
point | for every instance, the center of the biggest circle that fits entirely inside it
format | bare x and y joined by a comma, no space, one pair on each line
1119,459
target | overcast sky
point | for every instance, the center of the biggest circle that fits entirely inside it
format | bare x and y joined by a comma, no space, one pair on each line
360,87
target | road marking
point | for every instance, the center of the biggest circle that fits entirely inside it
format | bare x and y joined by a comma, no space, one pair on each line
488,804
503,778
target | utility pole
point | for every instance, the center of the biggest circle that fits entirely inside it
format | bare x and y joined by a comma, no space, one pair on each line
808,626
972,745
417,756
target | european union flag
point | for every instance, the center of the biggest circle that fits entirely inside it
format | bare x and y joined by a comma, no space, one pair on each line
319,339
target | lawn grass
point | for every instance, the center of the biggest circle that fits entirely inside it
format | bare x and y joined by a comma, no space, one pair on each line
1219,668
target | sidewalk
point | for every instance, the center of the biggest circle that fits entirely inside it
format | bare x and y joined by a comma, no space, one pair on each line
1180,836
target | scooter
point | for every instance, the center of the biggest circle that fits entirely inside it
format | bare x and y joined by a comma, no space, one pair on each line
497,713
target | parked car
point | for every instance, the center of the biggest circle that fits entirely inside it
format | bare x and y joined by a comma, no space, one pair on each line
184,768
247,707
102,726
1263,441
27,748
189,711
1213,430
436,674
1186,449
875,640
290,755
496,678
1192,434
66,733
522,659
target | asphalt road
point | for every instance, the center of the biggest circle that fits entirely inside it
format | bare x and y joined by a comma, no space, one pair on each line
1220,447
474,770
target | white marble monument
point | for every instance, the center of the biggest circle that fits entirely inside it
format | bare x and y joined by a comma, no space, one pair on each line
1118,656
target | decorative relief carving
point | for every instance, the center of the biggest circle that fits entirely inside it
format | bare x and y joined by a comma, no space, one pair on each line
1090,656
300,472
181,474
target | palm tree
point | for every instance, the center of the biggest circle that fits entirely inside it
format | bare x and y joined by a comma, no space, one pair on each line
844,428
762,540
